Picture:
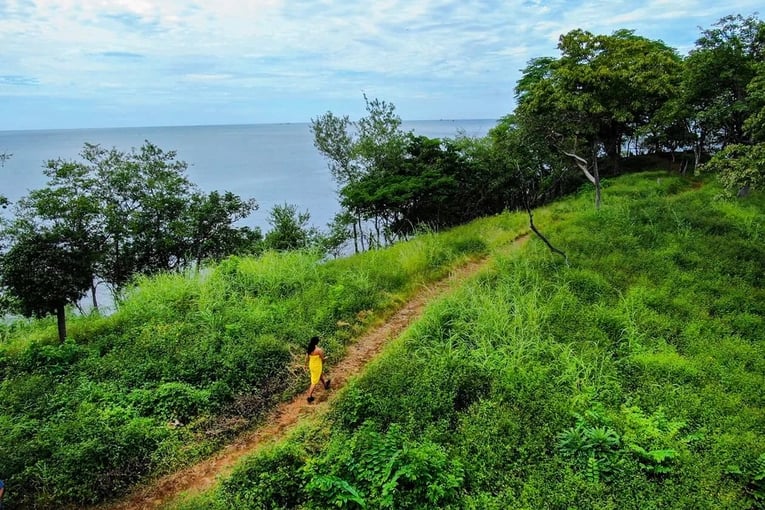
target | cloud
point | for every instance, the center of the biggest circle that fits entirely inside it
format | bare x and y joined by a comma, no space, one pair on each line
295,59
15,80
121,55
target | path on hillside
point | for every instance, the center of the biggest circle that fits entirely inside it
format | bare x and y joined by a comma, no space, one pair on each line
203,475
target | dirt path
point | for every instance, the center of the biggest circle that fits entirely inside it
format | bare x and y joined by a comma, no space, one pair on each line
203,475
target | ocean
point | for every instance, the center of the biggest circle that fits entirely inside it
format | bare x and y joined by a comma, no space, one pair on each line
272,163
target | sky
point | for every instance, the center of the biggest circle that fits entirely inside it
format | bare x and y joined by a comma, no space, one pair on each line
119,63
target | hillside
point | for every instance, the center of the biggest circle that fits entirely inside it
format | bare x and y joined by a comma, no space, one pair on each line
190,361
631,378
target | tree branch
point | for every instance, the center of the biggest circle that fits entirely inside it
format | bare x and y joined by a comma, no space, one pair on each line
543,238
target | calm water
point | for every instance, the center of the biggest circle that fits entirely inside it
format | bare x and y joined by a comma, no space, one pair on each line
273,163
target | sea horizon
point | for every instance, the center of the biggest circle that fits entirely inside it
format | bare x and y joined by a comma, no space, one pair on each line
173,126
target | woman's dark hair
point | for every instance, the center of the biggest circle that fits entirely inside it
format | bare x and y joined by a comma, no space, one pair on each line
312,344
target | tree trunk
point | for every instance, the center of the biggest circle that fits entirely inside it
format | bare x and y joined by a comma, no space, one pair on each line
593,177
93,295
596,174
355,239
361,233
61,320
614,153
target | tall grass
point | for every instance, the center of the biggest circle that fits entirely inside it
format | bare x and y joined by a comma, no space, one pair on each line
186,361
632,378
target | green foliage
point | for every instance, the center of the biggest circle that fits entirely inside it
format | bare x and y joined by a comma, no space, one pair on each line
385,470
741,168
272,479
170,401
650,337
188,360
133,213
592,445
601,89
392,184
717,75
754,480
43,273
336,492
595,447
290,229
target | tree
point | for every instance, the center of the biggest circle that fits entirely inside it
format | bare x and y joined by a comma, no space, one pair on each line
754,126
339,233
740,167
43,272
368,148
670,129
134,212
536,170
717,74
210,222
394,182
601,89
290,229
66,207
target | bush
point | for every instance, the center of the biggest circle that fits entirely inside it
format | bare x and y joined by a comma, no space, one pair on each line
271,479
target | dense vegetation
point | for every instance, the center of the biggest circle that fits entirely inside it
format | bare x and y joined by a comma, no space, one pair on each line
626,373
121,215
187,361
631,378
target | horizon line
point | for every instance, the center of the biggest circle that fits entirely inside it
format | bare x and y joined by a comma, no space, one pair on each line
168,126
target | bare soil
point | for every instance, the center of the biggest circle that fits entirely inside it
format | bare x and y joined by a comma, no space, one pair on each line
204,474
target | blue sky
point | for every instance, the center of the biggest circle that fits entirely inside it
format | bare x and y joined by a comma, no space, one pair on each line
114,63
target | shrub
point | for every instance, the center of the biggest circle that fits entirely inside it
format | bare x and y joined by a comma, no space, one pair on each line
271,479
385,470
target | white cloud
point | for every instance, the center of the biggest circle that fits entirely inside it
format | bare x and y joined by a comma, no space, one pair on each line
436,54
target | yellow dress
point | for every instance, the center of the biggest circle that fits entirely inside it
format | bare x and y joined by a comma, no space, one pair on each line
315,366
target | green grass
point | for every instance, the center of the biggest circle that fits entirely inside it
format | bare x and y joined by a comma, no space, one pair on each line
86,420
631,379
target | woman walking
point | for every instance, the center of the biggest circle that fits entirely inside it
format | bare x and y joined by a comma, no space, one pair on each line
315,364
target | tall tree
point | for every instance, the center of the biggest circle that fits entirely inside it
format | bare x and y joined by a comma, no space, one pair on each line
44,272
368,148
601,89
66,206
717,73
134,212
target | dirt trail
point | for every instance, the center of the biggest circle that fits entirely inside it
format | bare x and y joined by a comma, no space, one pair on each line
203,475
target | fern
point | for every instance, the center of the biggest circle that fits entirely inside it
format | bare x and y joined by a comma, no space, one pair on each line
336,491
593,469
657,462
756,485
593,445
754,480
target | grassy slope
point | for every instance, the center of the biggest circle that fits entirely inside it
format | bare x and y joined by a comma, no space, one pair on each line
634,378
86,420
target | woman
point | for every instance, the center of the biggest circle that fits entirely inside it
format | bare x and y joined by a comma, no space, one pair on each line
315,364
